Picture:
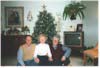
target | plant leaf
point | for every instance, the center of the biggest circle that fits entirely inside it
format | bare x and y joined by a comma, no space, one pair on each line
82,14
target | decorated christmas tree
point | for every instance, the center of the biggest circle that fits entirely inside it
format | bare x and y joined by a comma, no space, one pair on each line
44,25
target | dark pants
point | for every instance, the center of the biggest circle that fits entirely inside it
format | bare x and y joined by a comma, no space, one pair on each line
28,63
56,62
43,60
96,62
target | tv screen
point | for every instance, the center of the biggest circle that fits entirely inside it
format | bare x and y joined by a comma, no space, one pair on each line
72,38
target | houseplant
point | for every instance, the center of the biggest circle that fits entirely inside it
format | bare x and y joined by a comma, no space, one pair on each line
25,30
73,9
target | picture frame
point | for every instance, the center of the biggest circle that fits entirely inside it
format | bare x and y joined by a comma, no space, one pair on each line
14,17
79,28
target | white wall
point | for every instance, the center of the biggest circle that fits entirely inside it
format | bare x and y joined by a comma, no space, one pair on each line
91,23
54,7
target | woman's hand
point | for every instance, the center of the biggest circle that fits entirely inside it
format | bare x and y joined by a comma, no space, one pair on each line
36,60
50,59
63,58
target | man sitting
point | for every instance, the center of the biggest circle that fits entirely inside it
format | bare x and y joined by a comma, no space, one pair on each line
60,54
25,53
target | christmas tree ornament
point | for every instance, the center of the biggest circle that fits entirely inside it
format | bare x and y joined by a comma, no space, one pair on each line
29,16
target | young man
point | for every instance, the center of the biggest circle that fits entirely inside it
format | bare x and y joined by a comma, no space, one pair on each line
60,54
26,52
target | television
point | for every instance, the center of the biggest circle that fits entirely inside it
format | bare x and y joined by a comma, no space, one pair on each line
73,39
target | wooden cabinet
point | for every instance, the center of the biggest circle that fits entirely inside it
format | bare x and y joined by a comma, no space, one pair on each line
74,40
10,44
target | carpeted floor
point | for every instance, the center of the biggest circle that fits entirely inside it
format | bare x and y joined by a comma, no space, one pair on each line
12,61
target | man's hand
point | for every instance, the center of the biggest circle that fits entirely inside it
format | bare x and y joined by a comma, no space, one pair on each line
36,60
63,58
50,59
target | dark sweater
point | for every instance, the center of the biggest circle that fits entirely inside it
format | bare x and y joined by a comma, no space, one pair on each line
57,53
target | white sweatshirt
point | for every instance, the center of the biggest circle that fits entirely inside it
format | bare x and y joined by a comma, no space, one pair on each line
42,50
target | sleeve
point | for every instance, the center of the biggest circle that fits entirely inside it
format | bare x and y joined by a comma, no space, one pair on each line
35,52
20,56
67,51
49,52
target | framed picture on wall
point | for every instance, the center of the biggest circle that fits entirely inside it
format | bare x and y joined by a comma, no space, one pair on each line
14,16
79,27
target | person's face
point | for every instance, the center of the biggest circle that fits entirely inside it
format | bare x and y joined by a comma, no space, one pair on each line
28,40
55,41
42,39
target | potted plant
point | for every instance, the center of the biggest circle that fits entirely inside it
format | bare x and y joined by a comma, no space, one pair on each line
72,10
25,30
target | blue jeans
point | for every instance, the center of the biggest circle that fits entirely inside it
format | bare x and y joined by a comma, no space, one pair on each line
28,63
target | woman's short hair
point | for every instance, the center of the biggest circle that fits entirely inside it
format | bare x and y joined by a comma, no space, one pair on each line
56,36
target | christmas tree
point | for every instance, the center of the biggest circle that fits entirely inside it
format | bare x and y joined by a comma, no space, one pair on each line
44,25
